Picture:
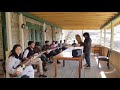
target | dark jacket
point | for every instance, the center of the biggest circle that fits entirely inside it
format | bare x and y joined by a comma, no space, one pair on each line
31,52
46,47
87,46
37,50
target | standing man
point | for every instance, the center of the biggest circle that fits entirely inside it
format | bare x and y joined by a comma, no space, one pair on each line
87,48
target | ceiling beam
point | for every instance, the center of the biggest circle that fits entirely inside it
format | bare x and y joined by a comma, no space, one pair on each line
112,19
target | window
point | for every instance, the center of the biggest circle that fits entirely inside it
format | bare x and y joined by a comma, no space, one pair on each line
95,36
69,35
108,38
117,38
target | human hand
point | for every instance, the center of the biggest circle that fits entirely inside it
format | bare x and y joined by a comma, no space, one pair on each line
18,73
35,54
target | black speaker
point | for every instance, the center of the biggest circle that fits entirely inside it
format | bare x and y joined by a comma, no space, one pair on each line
76,52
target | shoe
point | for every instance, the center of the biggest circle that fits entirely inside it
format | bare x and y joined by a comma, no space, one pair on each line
87,67
45,70
58,62
50,62
43,75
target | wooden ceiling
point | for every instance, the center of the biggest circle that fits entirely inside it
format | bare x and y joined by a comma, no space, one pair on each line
76,20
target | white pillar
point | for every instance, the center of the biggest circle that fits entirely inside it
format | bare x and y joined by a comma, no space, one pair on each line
44,28
61,34
100,35
82,35
55,34
9,32
21,31
112,36
104,36
34,34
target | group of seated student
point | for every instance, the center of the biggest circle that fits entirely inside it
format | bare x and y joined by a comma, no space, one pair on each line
52,53
16,58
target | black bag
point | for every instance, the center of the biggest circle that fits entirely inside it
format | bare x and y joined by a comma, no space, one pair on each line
25,76
76,52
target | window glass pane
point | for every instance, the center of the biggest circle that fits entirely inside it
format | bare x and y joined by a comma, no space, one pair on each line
108,38
95,36
117,38
69,35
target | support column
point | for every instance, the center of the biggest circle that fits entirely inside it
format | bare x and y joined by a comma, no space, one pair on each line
52,32
21,31
61,35
55,34
34,35
100,35
112,36
82,35
4,35
44,28
9,32
104,36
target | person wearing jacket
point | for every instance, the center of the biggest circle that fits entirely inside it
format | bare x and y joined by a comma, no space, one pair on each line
87,49
15,59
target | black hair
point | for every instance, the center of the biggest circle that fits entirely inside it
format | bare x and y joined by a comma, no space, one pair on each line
60,40
56,42
86,34
37,44
30,42
46,41
13,53
53,41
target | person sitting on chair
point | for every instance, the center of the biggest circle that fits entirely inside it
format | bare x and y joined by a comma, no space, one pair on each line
15,59
46,47
64,45
37,49
29,52
74,44
60,44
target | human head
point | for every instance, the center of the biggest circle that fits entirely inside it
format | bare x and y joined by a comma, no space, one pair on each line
64,41
74,41
37,44
60,41
46,42
53,42
86,35
56,42
17,49
31,44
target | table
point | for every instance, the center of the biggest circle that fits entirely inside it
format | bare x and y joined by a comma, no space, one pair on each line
67,55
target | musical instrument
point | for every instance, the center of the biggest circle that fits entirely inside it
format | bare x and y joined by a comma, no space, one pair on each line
78,38
21,66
